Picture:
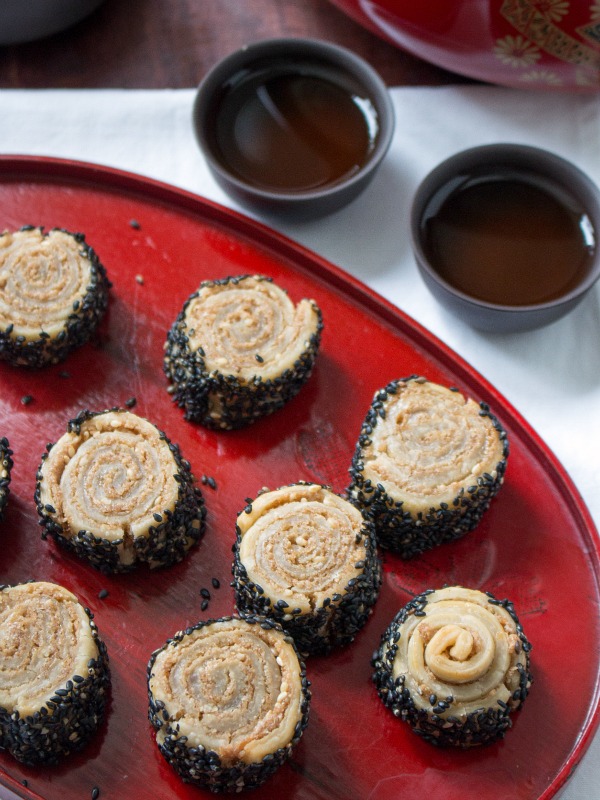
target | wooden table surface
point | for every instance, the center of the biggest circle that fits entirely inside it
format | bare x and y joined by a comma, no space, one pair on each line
172,44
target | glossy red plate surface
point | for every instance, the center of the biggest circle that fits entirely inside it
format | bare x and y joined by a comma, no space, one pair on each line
537,545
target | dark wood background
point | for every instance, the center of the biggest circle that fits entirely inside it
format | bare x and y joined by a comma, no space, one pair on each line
172,44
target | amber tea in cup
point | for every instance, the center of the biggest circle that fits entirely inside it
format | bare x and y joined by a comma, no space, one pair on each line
506,235
509,238
294,127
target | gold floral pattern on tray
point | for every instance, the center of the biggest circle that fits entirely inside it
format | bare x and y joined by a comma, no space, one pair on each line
535,20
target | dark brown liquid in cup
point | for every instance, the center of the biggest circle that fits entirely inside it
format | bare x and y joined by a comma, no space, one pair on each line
294,132
509,240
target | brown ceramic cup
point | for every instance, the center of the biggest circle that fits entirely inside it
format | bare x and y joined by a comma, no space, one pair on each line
523,163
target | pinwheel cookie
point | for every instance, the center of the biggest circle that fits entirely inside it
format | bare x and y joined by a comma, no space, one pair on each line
116,491
229,700
53,294
454,663
54,675
427,464
307,558
239,350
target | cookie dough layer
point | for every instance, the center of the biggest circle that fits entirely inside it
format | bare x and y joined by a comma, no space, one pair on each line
53,294
307,558
229,701
239,350
427,464
53,672
117,492
454,663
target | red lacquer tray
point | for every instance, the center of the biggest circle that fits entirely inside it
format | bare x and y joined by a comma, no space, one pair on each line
537,545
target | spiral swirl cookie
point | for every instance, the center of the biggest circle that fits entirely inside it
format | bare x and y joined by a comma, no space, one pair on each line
239,350
427,464
6,465
307,558
454,663
117,492
53,294
54,675
229,700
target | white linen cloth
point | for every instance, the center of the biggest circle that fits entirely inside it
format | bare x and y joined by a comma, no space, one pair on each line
551,376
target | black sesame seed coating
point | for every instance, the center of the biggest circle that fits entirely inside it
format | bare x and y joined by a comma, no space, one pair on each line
330,625
241,402
6,465
167,543
480,727
397,530
66,722
204,768
78,328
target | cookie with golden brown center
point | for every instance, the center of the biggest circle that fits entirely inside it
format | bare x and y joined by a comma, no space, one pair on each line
229,700
239,350
115,491
53,294
54,675
454,664
427,464
307,558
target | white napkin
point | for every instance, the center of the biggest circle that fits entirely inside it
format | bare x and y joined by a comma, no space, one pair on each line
551,376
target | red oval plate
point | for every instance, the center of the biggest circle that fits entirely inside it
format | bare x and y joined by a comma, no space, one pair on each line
537,545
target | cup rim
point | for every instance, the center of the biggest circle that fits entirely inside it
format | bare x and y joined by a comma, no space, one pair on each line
533,160
263,49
